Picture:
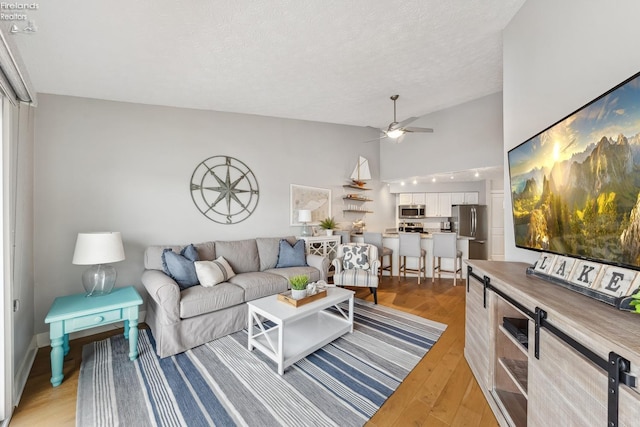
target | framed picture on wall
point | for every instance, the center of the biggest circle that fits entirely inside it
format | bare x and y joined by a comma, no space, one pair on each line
314,199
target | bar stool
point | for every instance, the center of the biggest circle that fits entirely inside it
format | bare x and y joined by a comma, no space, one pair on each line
375,239
409,246
345,236
445,246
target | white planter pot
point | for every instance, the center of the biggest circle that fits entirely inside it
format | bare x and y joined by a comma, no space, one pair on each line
329,232
298,293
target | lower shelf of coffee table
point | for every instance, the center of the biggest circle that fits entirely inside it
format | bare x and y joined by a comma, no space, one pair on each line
303,337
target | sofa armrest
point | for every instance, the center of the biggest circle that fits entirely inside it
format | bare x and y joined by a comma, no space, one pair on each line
337,264
321,263
164,291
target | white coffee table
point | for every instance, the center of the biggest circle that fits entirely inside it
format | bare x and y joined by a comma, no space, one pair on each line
298,331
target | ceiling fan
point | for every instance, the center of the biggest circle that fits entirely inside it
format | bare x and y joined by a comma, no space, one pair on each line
395,130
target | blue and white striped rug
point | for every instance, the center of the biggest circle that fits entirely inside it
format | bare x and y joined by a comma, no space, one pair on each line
221,383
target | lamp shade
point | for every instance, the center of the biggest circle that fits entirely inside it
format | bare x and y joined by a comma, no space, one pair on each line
304,215
98,248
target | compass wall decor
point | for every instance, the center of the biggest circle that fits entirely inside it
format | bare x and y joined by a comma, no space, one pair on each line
224,189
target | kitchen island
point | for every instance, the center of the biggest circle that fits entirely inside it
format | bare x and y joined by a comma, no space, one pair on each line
390,240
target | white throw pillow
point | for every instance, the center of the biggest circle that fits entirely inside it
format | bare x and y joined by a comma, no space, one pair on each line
210,273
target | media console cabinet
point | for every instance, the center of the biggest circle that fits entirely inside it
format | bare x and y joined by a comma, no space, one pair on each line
546,356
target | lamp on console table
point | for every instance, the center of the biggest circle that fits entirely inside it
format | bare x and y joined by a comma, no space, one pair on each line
97,250
304,216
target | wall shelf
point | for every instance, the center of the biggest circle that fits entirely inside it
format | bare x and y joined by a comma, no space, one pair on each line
358,199
355,187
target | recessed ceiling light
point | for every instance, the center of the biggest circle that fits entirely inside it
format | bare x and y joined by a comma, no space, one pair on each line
477,174
402,183
451,176
433,180
415,181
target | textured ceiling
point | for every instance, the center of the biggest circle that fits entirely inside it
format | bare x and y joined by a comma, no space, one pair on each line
332,61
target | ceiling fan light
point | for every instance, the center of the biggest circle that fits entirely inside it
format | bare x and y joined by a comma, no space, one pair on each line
396,133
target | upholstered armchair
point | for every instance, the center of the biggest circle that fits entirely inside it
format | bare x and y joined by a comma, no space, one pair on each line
356,265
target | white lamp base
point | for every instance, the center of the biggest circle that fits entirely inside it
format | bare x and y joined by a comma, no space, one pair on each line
99,280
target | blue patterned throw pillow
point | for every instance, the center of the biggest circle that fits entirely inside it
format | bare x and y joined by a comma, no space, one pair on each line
180,266
355,257
291,255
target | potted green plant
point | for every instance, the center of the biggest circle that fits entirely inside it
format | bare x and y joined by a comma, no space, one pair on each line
328,224
298,286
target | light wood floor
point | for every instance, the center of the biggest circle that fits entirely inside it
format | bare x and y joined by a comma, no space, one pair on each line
440,391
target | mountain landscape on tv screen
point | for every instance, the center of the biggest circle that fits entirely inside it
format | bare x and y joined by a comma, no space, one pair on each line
576,186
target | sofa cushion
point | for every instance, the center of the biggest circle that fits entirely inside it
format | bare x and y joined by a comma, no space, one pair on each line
198,300
291,255
268,249
260,284
210,273
311,272
180,267
242,255
153,254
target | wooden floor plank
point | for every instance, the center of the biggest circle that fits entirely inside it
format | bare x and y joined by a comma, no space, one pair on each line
429,396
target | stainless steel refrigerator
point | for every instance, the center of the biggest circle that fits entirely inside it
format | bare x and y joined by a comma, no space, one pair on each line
471,221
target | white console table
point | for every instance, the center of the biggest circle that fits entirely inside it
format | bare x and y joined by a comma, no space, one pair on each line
326,246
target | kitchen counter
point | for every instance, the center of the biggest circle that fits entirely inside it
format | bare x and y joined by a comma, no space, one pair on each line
422,235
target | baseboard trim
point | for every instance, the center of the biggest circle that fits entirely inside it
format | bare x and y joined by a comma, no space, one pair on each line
43,340
20,378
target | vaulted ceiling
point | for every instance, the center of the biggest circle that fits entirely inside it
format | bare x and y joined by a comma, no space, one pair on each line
332,61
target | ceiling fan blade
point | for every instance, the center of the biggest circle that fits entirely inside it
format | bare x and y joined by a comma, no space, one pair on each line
405,122
382,136
410,129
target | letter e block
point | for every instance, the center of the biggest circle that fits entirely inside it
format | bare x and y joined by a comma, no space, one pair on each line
615,281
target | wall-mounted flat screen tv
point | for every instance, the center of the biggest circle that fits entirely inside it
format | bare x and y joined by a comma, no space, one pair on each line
575,186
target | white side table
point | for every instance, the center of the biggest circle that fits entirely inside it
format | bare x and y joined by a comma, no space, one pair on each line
326,246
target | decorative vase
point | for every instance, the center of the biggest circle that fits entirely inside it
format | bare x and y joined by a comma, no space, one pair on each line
329,232
298,293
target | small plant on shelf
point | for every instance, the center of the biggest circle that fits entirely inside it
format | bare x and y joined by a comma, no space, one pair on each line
328,224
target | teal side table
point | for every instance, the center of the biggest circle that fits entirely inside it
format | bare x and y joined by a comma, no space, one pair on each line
78,312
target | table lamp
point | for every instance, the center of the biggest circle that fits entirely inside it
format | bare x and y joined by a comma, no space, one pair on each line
98,249
304,216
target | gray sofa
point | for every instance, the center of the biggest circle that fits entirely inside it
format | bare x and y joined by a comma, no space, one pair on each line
181,320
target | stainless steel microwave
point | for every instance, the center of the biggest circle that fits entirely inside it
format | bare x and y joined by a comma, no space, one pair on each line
411,211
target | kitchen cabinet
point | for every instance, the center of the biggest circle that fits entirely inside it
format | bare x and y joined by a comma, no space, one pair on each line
559,374
444,204
470,198
465,198
431,204
457,198
411,199
438,205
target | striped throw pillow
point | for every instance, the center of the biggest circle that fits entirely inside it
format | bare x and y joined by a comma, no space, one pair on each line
210,273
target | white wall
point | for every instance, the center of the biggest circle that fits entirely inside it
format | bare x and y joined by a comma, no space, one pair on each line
103,165
466,136
559,56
